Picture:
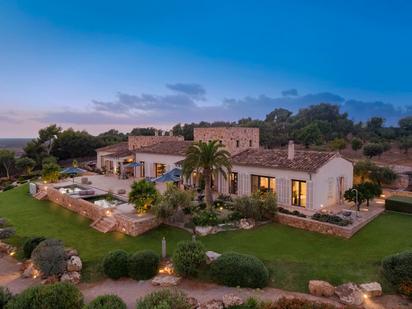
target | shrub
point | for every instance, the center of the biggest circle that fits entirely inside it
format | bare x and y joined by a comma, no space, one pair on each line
5,296
242,270
115,264
205,218
397,268
49,257
399,203
53,296
164,299
260,206
107,302
172,199
294,303
293,213
30,244
188,256
332,219
143,195
143,265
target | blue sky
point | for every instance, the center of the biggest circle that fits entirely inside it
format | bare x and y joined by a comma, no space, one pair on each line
103,64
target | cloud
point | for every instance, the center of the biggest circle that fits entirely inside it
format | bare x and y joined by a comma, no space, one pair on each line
153,109
193,90
290,92
7,119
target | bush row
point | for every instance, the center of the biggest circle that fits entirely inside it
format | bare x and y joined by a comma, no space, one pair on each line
293,213
332,219
56,296
141,265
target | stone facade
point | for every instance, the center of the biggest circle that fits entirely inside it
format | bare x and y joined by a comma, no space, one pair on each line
128,224
236,139
136,142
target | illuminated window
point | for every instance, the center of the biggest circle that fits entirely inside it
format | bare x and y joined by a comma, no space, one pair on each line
233,183
299,192
263,184
160,169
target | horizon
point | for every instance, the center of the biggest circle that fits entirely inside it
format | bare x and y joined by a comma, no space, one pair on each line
158,64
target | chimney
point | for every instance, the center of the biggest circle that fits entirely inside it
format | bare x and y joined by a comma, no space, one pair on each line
291,150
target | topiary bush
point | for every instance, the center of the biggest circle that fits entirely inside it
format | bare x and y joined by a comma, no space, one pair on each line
188,257
143,265
49,257
107,302
53,296
5,296
30,244
397,268
234,269
115,264
164,299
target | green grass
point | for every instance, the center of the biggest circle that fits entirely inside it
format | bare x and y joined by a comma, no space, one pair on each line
293,256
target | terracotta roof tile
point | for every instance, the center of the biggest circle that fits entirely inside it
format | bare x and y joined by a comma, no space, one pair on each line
178,148
115,147
307,161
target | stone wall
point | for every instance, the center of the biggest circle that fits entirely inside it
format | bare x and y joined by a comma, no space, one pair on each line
236,139
136,226
127,224
323,227
389,193
136,142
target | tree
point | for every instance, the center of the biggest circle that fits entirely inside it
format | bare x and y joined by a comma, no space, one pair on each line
26,164
7,160
74,144
405,143
366,170
50,172
278,115
143,131
48,135
362,192
143,195
207,158
375,123
356,144
177,130
172,199
405,124
338,144
372,149
309,135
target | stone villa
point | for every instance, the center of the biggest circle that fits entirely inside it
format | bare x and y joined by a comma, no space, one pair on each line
307,179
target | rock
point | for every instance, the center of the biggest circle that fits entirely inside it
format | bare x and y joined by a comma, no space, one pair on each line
212,304
29,272
166,281
6,248
321,288
50,280
69,252
193,302
246,224
205,230
371,289
7,232
230,300
349,294
74,264
121,191
73,277
211,256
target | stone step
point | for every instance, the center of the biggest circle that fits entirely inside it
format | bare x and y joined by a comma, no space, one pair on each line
104,224
41,195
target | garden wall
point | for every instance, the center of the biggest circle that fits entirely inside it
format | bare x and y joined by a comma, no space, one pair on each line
323,227
132,225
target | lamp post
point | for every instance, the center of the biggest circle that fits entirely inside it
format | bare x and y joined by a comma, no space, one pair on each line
356,200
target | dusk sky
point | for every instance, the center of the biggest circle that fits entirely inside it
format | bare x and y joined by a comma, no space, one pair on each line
97,65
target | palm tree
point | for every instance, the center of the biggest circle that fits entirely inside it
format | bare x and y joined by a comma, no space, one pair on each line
207,158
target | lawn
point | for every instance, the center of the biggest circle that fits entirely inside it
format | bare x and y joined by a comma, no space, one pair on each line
293,256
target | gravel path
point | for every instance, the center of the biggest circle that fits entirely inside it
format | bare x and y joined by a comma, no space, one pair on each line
130,290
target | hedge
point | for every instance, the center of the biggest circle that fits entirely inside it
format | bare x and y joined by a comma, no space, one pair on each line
397,268
399,203
234,269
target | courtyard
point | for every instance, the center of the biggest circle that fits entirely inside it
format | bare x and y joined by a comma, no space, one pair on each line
293,256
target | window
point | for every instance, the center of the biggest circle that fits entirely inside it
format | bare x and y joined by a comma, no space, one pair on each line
299,193
237,144
233,183
160,169
263,184
142,171
250,143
